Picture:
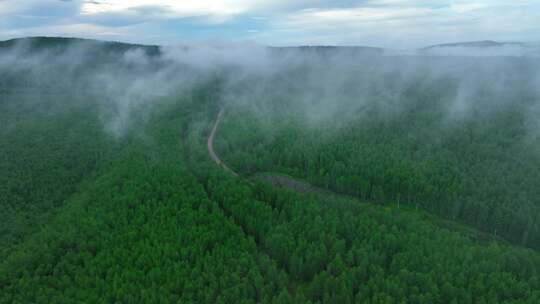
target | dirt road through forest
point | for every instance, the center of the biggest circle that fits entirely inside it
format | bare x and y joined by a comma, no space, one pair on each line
277,180
283,181
210,144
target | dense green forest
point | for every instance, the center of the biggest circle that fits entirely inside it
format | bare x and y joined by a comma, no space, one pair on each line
476,165
94,215
48,145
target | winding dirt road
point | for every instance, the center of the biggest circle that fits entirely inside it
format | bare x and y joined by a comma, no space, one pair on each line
283,181
210,144
277,180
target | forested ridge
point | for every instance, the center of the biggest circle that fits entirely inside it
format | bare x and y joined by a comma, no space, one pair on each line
478,167
142,214
46,153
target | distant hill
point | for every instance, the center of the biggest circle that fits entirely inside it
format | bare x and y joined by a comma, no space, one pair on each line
108,48
326,49
482,48
32,44
474,44
59,43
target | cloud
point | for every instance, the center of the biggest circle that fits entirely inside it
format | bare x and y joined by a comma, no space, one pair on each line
50,8
398,23
387,23
166,9
354,17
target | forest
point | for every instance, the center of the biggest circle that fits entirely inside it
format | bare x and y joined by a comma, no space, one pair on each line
109,195
476,165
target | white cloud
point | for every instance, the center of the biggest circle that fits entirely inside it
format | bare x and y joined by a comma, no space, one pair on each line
170,8
405,24
467,7
388,23
356,15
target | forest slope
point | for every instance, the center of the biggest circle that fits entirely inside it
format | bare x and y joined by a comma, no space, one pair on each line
466,154
124,204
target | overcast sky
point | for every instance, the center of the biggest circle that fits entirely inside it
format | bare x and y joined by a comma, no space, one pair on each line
385,23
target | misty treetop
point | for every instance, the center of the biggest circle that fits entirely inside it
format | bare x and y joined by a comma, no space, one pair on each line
419,175
464,148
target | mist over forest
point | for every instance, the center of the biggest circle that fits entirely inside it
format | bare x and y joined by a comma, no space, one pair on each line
359,174
318,81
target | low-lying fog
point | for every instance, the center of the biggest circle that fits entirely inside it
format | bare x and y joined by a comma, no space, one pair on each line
321,81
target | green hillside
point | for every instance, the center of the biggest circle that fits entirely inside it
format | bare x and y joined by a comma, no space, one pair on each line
116,200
